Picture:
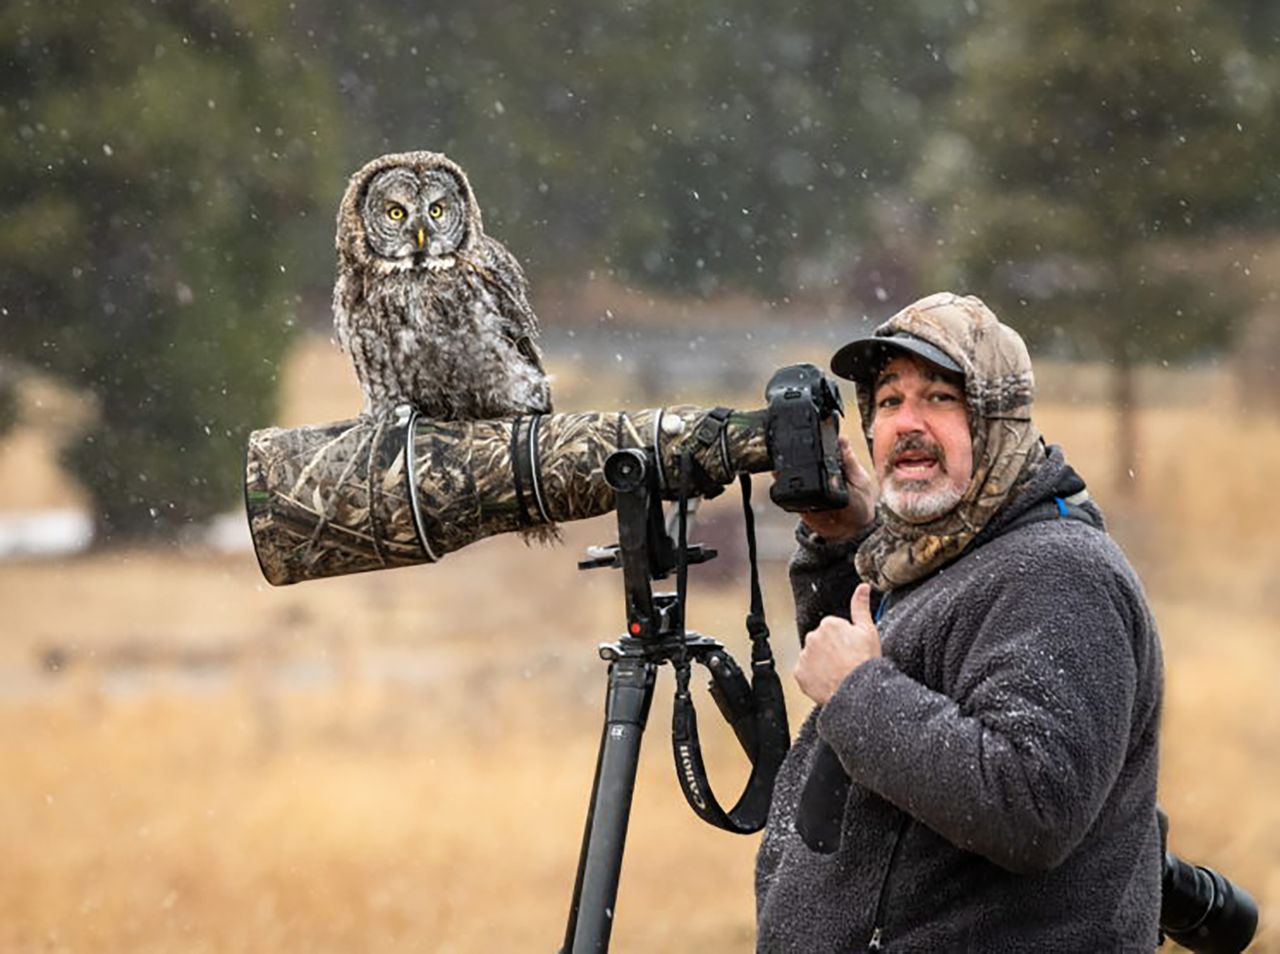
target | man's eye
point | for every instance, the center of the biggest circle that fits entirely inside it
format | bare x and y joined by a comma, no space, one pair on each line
891,401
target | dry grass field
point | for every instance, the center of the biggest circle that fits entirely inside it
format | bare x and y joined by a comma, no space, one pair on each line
194,761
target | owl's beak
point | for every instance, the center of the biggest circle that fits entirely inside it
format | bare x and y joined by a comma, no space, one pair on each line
422,237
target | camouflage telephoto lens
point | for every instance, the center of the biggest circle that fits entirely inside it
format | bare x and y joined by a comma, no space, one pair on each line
370,494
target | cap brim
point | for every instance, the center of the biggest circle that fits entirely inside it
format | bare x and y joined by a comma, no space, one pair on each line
860,359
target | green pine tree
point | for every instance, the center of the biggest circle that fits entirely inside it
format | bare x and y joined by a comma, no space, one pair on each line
1097,138
153,158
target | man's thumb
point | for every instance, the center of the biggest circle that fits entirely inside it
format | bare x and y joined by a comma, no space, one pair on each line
860,605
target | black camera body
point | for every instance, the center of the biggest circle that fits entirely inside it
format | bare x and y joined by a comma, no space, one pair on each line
804,410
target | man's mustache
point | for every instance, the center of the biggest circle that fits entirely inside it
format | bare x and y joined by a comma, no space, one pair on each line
916,442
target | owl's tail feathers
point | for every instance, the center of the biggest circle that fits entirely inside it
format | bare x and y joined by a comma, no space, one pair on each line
546,534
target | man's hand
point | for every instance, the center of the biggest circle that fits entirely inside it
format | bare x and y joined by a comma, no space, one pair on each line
838,647
836,525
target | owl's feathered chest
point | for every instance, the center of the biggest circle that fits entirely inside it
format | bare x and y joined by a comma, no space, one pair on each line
404,293
440,340
447,313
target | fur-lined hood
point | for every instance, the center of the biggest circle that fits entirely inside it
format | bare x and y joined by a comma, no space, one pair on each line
999,387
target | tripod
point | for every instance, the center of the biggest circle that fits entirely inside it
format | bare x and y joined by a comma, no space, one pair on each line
656,635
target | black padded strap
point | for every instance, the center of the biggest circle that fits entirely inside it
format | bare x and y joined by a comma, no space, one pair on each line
772,739
756,711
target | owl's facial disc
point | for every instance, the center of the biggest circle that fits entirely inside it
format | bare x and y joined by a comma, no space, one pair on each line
443,213
389,213
415,220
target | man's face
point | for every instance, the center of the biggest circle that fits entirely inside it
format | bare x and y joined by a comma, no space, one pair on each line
921,448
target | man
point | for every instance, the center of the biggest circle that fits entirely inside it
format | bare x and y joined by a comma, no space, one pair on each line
979,772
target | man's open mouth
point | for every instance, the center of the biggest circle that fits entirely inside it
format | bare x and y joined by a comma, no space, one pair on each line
916,463
915,466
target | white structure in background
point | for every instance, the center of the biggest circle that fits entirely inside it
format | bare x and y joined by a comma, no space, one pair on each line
228,533
51,533
44,533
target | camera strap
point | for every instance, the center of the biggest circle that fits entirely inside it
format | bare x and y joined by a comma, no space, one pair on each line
756,710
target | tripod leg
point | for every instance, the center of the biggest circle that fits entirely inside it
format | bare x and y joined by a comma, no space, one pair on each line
600,862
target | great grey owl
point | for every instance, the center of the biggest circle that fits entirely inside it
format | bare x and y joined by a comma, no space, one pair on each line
433,312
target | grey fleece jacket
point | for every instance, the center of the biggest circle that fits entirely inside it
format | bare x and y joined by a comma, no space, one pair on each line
1002,754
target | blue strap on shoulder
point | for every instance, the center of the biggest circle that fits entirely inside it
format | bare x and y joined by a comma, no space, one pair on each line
1062,506
883,605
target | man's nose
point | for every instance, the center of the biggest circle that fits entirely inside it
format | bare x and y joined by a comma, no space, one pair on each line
910,416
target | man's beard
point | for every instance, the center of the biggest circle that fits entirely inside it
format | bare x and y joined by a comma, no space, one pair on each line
914,502
918,501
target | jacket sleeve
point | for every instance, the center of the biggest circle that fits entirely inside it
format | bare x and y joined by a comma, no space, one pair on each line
1016,759
823,577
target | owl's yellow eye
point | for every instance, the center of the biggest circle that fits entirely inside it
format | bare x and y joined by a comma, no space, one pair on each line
436,210
395,212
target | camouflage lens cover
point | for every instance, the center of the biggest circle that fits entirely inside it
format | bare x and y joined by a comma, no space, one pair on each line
369,494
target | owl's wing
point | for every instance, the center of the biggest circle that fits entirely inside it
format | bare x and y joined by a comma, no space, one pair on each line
345,301
502,272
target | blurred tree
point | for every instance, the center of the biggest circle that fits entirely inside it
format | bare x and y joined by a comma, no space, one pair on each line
1255,74
151,160
694,146
1096,137
8,403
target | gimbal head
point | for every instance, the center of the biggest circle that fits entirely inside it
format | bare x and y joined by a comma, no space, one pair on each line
645,550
